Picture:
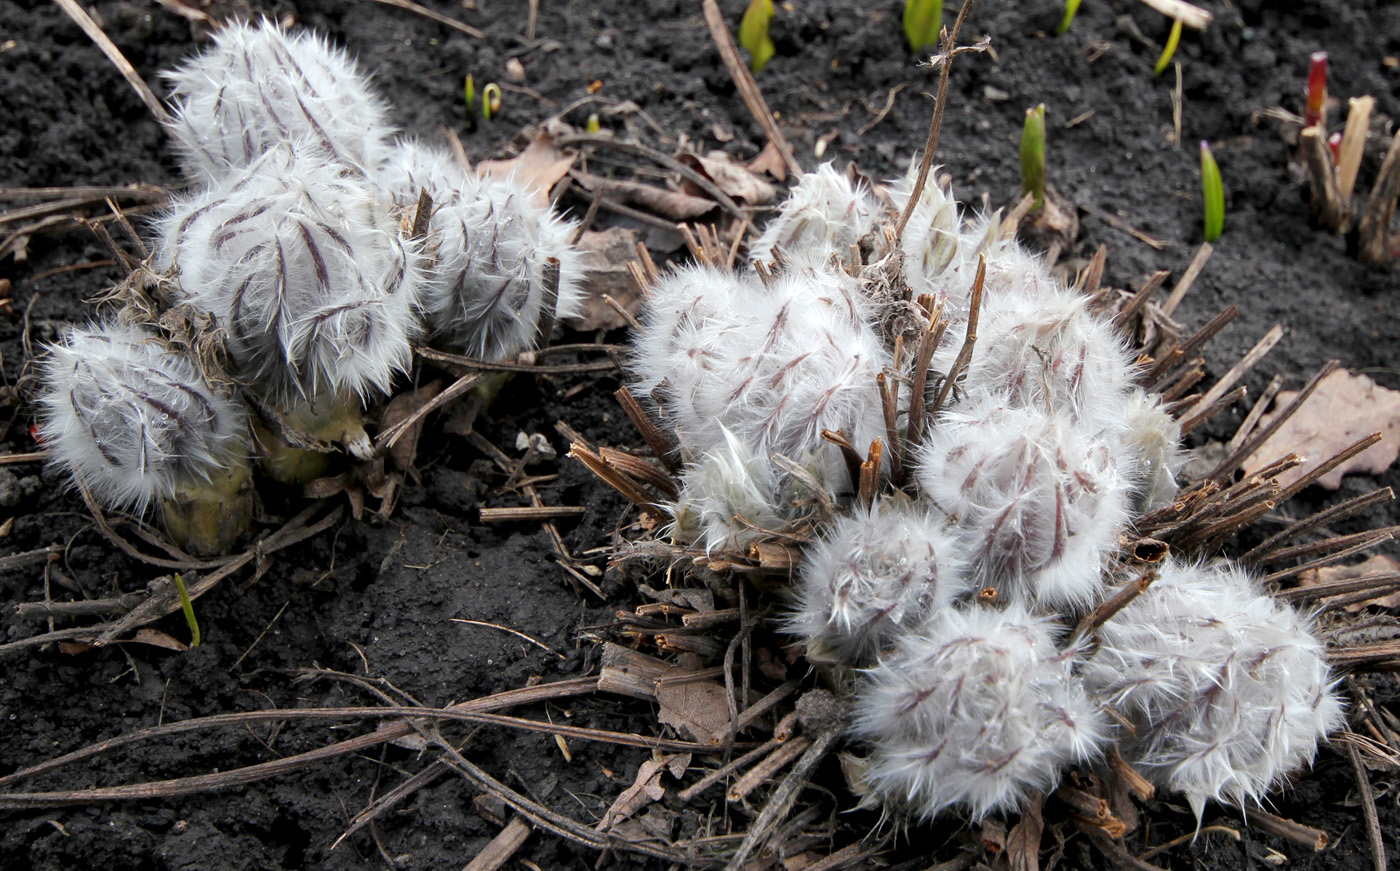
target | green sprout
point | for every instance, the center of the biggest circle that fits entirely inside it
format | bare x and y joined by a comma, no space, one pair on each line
1033,155
1212,194
1071,7
188,607
754,36
922,20
1172,39
490,100
594,125
470,91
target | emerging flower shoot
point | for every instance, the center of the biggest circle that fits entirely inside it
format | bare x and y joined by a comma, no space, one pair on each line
875,574
1226,689
302,263
260,86
138,426
1039,502
487,295
973,711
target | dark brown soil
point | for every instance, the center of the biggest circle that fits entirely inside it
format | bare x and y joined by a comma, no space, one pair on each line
375,597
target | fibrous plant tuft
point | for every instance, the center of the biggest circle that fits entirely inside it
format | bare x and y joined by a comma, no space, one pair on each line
489,293
259,86
972,710
1224,688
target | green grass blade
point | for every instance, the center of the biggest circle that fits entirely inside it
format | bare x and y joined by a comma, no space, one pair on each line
1033,155
922,21
754,35
188,607
1173,39
1071,8
1212,194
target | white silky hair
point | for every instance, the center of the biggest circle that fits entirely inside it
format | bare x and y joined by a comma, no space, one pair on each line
1039,502
258,86
300,259
1042,347
824,214
1226,688
726,482
486,294
1151,444
876,573
131,421
774,365
972,711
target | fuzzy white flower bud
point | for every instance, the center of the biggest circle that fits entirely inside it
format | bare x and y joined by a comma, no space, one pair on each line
824,214
1151,441
971,712
486,295
1038,502
1043,348
1226,689
774,365
133,422
727,482
875,574
259,86
302,263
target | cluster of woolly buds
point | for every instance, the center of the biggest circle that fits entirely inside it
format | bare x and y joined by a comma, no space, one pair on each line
1043,348
877,573
487,295
132,422
1038,501
973,711
259,86
1226,689
302,262
1151,440
677,336
824,215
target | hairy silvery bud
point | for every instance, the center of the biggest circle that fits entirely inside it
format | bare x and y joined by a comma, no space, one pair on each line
728,482
824,215
1226,689
259,86
875,574
303,264
1151,441
1043,348
137,425
773,365
972,711
487,295
1039,503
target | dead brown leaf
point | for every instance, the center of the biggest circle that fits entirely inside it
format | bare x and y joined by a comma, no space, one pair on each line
1373,565
156,638
605,258
769,160
700,709
645,789
740,182
1343,409
405,450
668,203
540,166
1023,843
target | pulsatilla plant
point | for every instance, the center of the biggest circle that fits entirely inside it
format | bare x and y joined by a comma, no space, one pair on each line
300,248
940,570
